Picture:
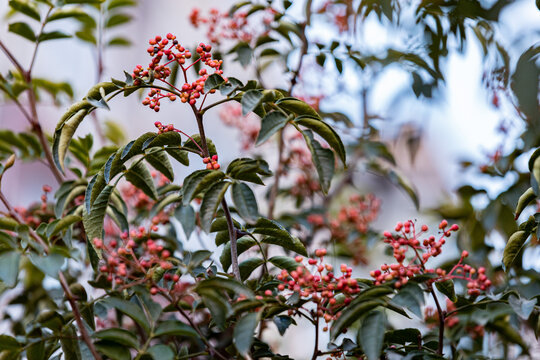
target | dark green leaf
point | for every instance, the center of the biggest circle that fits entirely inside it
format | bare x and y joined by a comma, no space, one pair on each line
513,248
251,100
243,244
93,221
245,202
371,334
139,175
174,328
160,161
351,314
325,131
26,7
248,266
119,336
22,29
9,270
210,203
129,308
271,124
64,223
198,181
290,243
213,82
323,159
283,322
297,106
284,262
186,215
447,288
113,351
411,297
53,35
243,333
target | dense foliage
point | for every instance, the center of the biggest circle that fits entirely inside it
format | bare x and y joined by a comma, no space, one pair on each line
100,268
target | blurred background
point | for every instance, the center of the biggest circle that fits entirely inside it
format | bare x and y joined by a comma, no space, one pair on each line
432,131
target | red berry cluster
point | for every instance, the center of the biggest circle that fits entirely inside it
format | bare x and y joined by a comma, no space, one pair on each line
168,51
321,286
126,263
408,239
351,224
211,162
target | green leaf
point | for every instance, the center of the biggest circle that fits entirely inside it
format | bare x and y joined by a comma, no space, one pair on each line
243,333
130,309
213,82
247,169
26,7
351,314
210,203
22,29
248,266
325,131
245,202
198,181
161,352
7,223
113,351
117,19
283,322
186,215
49,264
65,132
53,35
323,159
405,185
243,244
9,270
403,336
63,13
411,297
270,124
191,145
278,235
251,100
525,83
179,155
139,175
160,161
93,221
64,223
174,328
525,199
292,243
119,336
219,308
119,41
70,345
371,334
170,138
9,343
447,288
513,248
284,262
297,107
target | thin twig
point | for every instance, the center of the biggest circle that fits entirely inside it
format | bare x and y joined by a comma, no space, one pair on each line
281,146
78,317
